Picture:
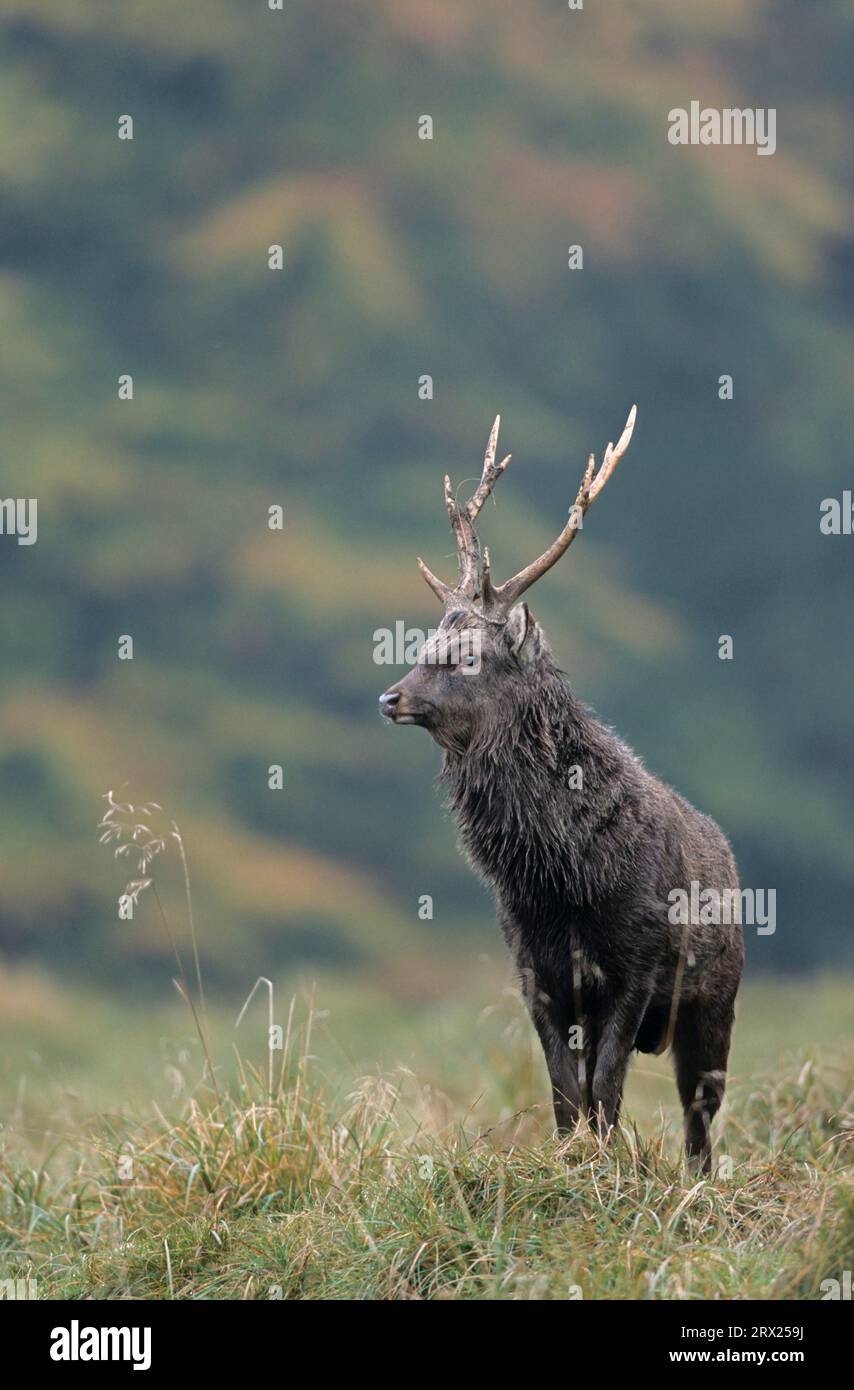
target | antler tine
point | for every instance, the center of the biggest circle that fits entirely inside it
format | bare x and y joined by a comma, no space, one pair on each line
487,592
591,485
613,456
439,587
491,473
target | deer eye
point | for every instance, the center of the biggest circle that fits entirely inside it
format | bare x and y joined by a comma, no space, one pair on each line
467,660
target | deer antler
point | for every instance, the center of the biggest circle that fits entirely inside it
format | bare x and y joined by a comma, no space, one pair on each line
591,485
475,575
462,525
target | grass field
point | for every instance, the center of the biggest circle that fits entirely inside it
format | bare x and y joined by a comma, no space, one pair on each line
404,1150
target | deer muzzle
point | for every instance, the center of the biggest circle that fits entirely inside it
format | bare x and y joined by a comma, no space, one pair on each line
396,706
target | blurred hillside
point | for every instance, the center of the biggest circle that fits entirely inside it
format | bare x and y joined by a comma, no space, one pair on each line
299,387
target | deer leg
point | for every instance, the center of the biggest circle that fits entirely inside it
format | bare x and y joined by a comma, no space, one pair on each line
562,1064
700,1051
566,1097
616,1040
553,1031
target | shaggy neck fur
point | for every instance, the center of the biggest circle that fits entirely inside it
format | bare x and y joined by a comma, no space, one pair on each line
541,841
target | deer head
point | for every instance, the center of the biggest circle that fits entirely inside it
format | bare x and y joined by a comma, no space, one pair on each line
487,640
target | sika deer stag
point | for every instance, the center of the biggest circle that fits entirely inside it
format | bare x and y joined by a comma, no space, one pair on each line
581,845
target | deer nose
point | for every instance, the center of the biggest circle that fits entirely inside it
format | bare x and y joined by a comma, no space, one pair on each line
389,701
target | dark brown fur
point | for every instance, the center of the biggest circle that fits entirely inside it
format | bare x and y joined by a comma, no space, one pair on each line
582,868
581,876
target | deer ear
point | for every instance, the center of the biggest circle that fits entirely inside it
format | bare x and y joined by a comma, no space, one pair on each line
519,629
